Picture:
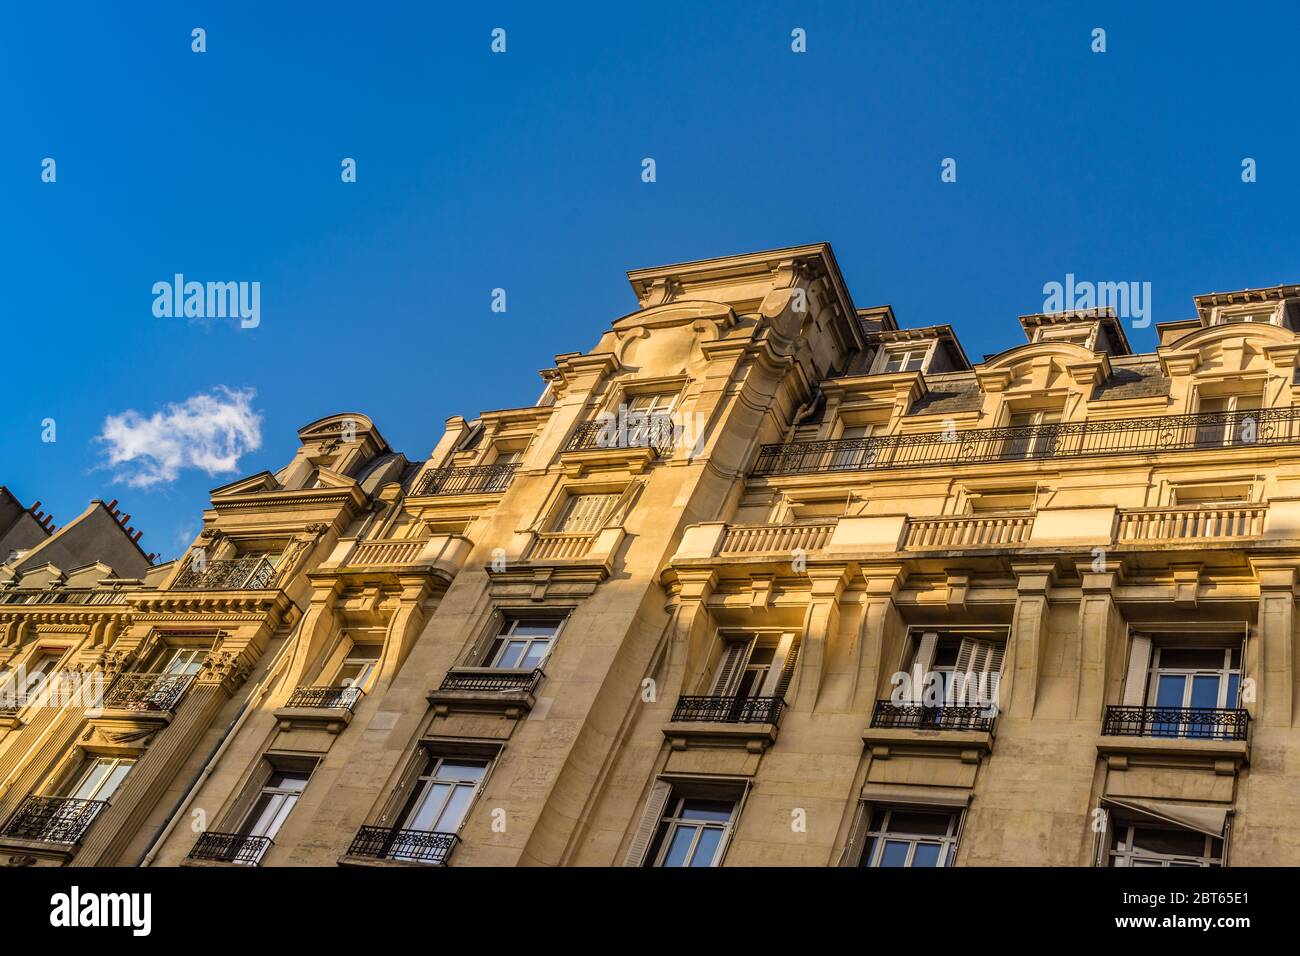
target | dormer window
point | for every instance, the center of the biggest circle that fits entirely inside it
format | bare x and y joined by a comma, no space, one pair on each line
1267,316
902,359
1074,334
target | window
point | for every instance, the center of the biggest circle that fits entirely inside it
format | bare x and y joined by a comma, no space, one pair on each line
1257,315
759,665
1213,494
277,799
1031,435
1230,421
443,794
99,778
692,831
904,359
181,661
523,643
855,453
1163,846
1074,334
19,687
649,418
585,513
900,836
1001,500
968,668
1186,680
359,666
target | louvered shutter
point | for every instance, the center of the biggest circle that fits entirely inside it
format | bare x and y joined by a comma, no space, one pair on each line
730,828
586,512
405,786
922,663
733,659
1101,840
853,850
978,659
1139,663
783,661
651,817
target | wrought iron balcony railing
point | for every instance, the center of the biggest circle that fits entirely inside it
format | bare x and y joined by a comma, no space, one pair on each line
730,710
889,715
653,431
1197,723
152,692
252,572
326,697
1123,436
53,819
466,480
230,848
491,679
391,843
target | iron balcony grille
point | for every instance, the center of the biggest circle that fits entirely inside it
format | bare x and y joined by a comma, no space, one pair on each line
53,819
230,848
1125,436
889,715
325,697
654,432
1206,723
466,480
151,692
419,846
251,572
730,710
485,679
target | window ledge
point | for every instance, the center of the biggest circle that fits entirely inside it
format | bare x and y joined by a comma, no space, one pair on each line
970,744
348,859
333,719
1228,756
755,737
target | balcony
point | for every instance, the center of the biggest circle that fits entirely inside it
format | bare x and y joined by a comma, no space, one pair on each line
1123,436
62,820
466,480
992,531
235,848
402,846
1192,522
1189,723
319,708
904,734
776,538
507,692
1217,739
750,722
252,572
654,433
147,693
919,717
385,553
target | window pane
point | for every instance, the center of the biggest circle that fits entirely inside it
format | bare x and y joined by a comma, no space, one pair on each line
718,811
707,847
927,854
1170,842
462,770
927,824
450,819
536,654
114,779
894,854
1192,658
513,653
429,808
91,780
1205,691
1169,690
680,846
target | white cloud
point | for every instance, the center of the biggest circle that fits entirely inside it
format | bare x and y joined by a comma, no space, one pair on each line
206,431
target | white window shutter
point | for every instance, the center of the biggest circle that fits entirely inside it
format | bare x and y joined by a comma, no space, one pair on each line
405,787
1139,663
651,817
733,659
923,661
853,850
782,669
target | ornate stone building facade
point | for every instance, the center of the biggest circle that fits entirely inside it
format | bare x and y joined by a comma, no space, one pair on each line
763,579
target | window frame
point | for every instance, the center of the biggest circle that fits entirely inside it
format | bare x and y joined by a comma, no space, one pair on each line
875,840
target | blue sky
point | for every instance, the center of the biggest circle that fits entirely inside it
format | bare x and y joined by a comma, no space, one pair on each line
522,171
